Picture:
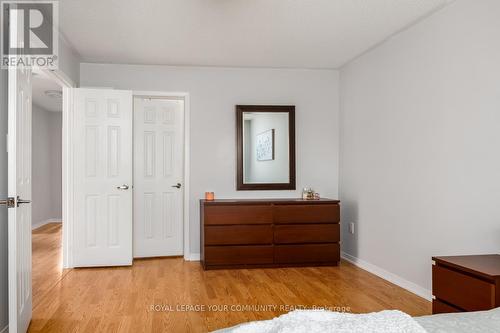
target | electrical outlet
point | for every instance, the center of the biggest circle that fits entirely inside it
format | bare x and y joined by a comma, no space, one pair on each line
351,228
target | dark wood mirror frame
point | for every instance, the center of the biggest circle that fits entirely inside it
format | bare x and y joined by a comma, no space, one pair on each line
240,184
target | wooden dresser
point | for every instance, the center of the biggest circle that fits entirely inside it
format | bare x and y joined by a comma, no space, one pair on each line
465,283
269,233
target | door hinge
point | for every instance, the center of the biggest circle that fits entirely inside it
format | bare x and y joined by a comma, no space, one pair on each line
9,202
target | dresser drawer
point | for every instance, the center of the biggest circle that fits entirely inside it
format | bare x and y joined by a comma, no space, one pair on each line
238,214
238,255
307,233
440,307
238,234
310,253
463,291
319,213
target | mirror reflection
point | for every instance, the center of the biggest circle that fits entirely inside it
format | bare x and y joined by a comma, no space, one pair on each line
266,147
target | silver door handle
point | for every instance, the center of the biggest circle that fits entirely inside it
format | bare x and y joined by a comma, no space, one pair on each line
20,201
179,185
9,202
123,187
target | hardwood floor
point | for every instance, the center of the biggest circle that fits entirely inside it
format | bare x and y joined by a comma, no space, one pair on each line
47,260
159,295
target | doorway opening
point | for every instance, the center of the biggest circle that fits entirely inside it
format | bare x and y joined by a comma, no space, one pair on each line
47,180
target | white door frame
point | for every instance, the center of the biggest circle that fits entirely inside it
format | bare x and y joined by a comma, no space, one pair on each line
66,83
185,96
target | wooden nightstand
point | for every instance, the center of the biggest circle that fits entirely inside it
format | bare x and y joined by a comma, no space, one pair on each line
465,283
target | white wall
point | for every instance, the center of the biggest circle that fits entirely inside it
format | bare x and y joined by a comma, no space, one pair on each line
4,300
420,138
214,93
272,171
69,60
47,166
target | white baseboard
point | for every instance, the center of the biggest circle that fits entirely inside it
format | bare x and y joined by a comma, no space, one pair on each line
42,223
192,257
386,275
5,329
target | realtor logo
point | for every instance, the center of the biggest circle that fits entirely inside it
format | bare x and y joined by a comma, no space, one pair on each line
29,34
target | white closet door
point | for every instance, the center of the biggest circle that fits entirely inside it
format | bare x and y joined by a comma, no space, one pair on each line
158,176
103,177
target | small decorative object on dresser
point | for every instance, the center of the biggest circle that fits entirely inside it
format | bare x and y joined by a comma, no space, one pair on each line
465,283
269,233
309,194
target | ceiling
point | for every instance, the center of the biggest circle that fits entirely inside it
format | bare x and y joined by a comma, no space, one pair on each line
41,84
239,33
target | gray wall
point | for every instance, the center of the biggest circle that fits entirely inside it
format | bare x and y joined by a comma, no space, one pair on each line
420,135
214,92
4,310
47,166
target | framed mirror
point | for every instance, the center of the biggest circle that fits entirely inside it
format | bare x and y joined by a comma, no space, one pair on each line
265,140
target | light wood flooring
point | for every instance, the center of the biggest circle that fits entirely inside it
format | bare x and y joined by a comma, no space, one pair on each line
47,260
161,295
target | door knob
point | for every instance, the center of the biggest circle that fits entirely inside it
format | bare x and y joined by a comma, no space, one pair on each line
9,202
123,187
179,185
20,201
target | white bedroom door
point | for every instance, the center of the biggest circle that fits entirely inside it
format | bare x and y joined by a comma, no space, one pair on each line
19,189
158,176
102,216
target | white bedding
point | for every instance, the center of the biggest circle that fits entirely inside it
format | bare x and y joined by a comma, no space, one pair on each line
467,322
383,322
316,321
